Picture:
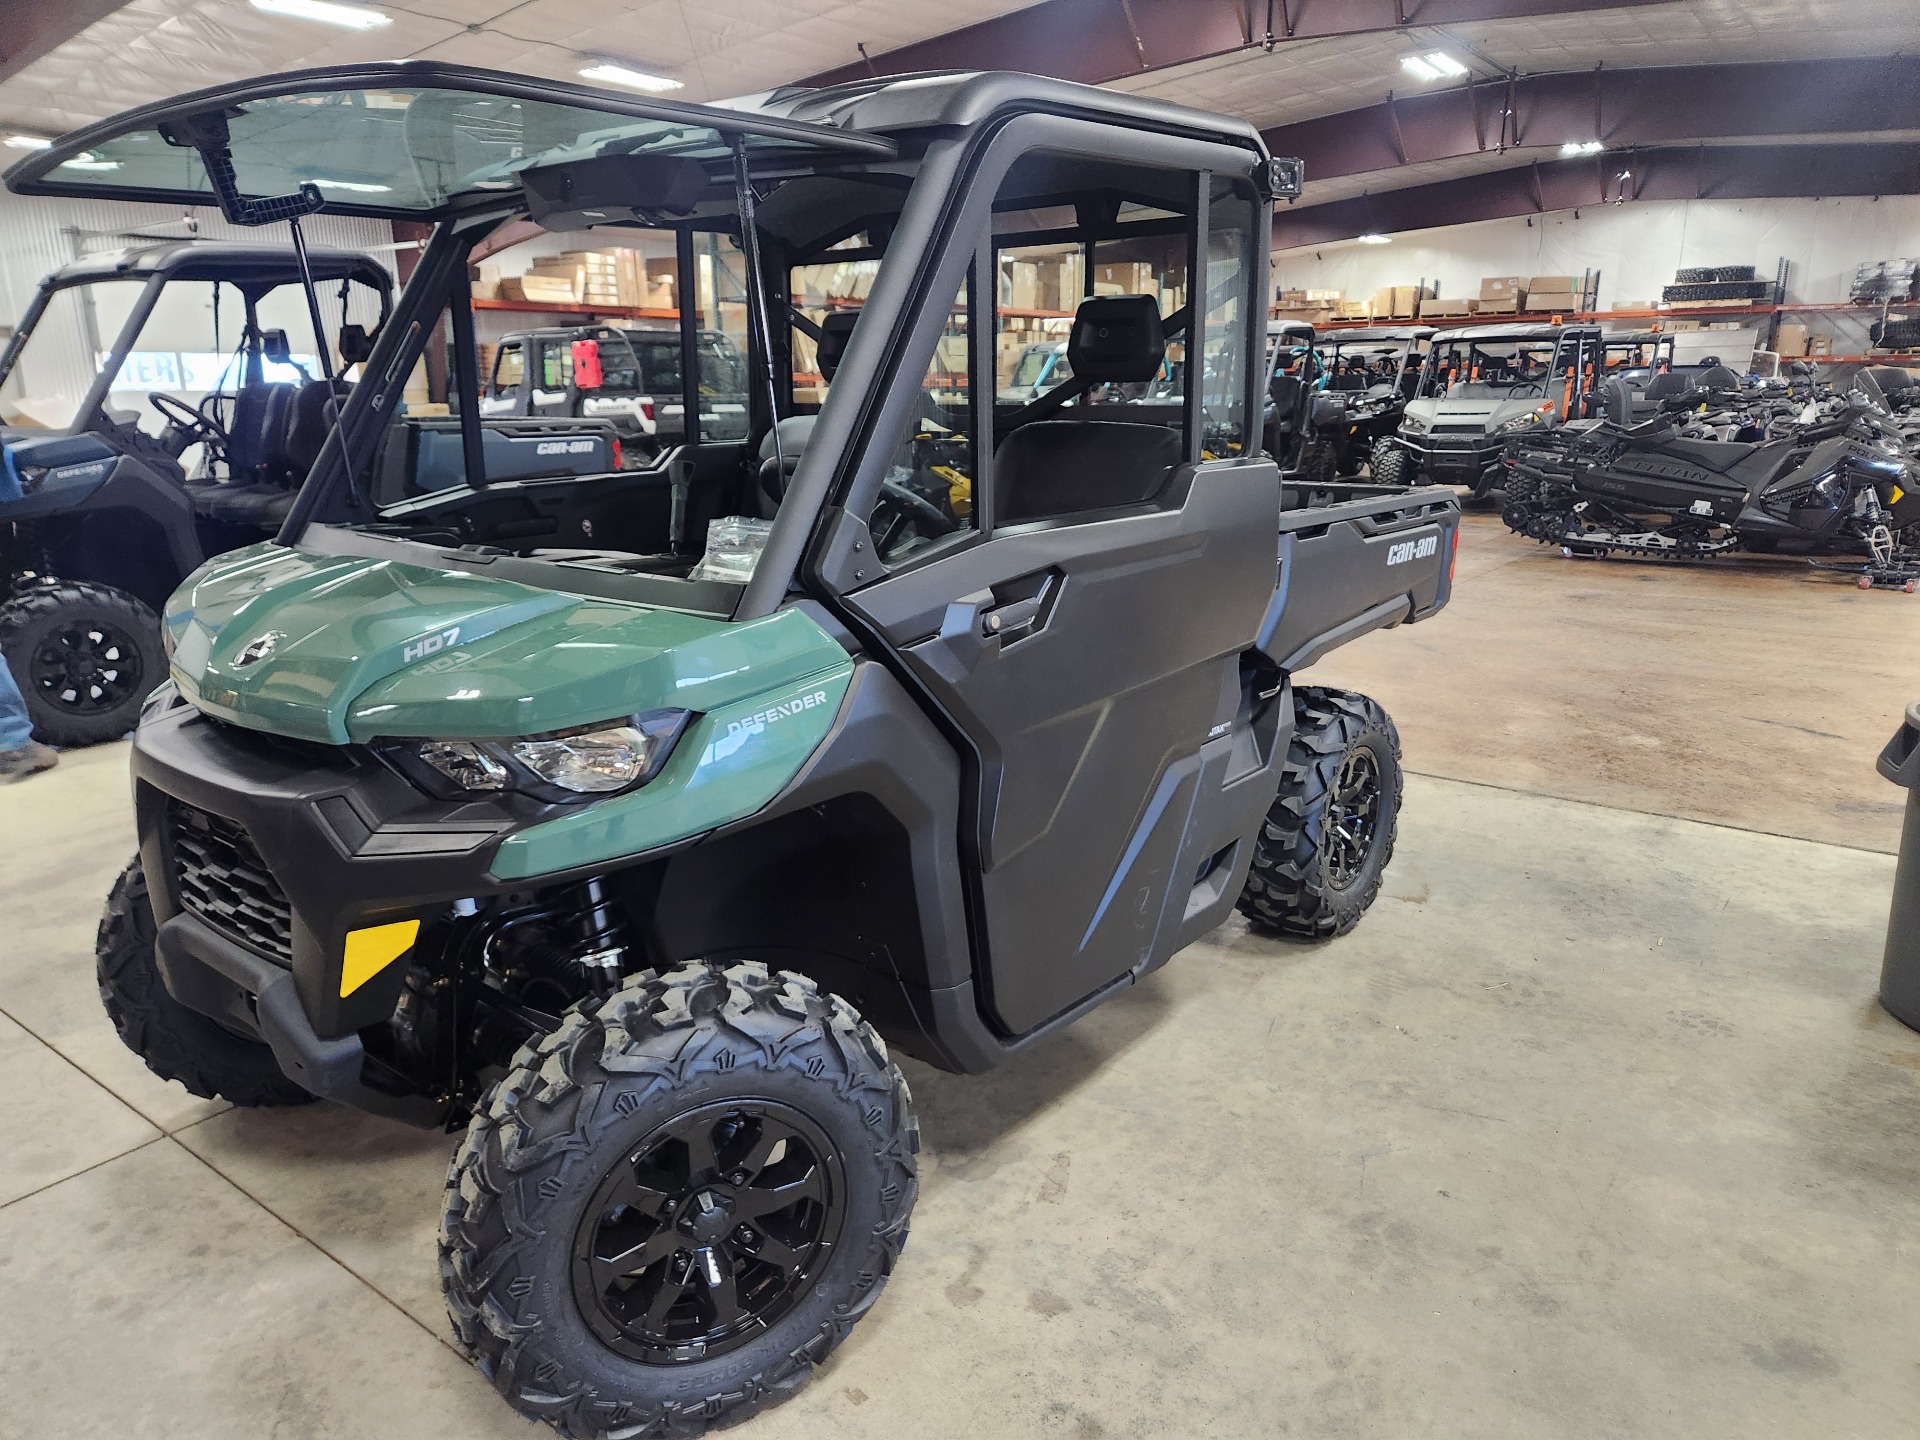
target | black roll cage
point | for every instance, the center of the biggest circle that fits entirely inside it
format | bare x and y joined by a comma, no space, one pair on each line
261,271
951,198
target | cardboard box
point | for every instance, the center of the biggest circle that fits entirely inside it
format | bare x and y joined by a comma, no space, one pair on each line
1507,289
1820,345
1445,309
1354,310
1790,340
1619,305
538,288
1678,325
562,271
1334,296
1552,284
1559,302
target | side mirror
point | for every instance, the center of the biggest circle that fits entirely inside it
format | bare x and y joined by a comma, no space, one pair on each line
356,345
587,374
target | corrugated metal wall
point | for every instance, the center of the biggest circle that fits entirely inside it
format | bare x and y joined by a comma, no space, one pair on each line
38,235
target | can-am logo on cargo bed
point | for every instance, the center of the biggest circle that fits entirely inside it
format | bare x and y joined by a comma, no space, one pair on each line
1407,550
782,711
564,447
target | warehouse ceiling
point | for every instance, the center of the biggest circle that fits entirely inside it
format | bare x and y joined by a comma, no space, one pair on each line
1323,77
149,49
1342,55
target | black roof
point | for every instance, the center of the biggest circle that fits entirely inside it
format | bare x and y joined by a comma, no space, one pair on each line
242,264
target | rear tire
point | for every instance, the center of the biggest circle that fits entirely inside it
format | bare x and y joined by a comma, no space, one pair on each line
176,1043
85,657
1390,464
580,1226
1321,854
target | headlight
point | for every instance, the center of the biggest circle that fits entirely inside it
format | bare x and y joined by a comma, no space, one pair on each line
1414,425
561,765
1520,422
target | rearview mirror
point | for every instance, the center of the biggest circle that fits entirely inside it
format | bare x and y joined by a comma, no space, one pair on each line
356,345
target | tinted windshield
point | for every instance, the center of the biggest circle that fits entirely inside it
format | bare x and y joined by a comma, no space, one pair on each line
1490,368
399,149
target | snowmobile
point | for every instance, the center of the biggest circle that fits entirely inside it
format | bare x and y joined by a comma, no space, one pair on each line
1697,481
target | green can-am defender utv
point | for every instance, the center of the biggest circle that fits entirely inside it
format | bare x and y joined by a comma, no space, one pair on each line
480,799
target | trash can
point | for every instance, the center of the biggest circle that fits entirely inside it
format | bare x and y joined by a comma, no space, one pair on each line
1900,969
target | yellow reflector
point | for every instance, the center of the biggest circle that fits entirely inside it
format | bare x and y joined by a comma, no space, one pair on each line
1898,495
371,950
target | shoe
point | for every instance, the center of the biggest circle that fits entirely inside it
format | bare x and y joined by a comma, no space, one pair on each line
29,759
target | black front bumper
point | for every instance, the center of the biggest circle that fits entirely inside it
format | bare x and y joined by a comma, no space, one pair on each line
1461,461
347,844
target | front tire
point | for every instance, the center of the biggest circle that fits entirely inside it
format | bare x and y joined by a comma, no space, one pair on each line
1390,464
678,1203
84,657
176,1043
1320,856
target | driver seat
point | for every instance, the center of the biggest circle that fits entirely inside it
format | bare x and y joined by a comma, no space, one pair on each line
796,430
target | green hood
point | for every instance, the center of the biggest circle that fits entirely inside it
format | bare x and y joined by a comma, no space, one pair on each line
343,649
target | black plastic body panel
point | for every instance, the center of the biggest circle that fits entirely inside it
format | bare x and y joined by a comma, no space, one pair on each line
1086,725
1361,564
133,530
350,842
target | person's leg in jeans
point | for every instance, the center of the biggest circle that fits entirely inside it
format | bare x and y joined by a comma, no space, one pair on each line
19,754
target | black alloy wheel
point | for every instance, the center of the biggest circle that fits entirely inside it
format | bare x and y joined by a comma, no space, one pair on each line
1353,818
1319,858
85,657
708,1232
87,668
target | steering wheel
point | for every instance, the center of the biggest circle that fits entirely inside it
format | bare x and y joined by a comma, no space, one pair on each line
197,425
908,509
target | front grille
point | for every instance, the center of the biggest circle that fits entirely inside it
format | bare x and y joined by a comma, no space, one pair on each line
1471,427
222,879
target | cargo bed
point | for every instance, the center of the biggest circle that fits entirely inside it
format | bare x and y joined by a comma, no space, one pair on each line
1355,558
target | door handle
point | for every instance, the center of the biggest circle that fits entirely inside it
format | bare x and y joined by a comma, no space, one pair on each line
1012,616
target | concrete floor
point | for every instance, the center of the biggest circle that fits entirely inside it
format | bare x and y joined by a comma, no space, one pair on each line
1591,1129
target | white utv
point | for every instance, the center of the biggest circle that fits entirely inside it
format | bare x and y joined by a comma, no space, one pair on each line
1481,386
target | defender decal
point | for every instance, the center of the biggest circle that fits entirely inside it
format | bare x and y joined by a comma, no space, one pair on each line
762,718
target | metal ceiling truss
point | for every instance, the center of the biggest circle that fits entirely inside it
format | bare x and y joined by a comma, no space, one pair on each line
1616,107
1686,172
1094,41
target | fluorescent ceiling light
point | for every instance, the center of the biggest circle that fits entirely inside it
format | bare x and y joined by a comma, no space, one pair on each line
357,186
1577,147
1434,65
87,160
28,142
353,17
632,79
1375,240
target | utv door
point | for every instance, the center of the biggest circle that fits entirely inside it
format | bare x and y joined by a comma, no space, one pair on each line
552,392
1080,634
507,387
